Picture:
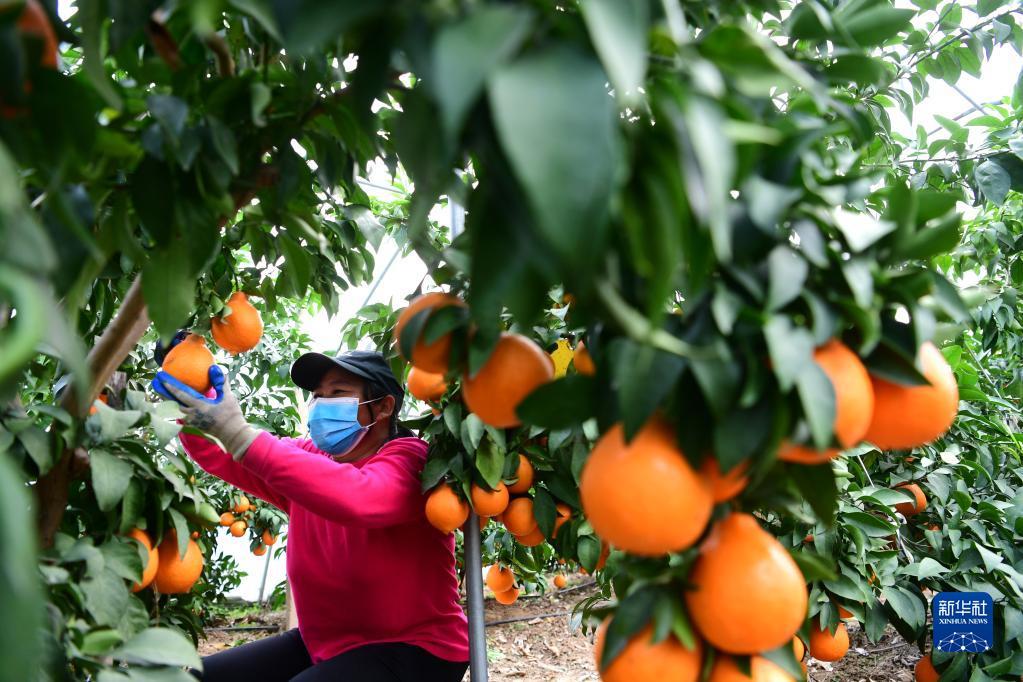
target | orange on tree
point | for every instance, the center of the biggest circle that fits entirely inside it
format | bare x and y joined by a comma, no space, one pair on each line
666,661
827,646
507,597
268,538
152,559
226,519
925,670
518,517
844,613
33,23
242,329
426,386
242,505
523,477
854,403
605,552
560,581
515,368
189,362
195,535
910,416
500,578
642,496
724,486
919,503
177,574
260,550
564,514
489,502
726,669
534,538
583,361
430,357
798,648
748,595
238,528
445,510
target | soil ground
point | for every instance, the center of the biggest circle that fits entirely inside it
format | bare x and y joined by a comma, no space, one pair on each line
543,649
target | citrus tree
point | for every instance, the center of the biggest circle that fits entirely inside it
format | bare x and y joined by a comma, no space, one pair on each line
752,254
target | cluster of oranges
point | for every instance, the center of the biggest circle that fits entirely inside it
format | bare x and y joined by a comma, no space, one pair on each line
237,524
189,362
165,568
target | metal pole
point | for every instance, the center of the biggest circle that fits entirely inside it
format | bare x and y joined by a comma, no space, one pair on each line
266,569
474,590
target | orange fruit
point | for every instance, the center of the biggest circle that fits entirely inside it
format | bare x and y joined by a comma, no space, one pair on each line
925,670
854,403
563,517
808,539
189,362
507,597
798,648
641,659
268,538
748,595
761,670
500,578
242,505
844,613
583,360
912,508
195,535
524,477
177,574
724,486
445,510
238,528
34,23
825,646
430,357
910,416
226,519
560,581
242,329
518,517
260,550
534,538
643,497
152,560
489,502
515,368
426,386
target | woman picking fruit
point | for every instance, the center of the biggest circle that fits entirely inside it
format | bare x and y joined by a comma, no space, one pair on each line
374,583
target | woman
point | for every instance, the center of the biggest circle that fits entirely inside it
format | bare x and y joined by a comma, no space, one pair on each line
374,584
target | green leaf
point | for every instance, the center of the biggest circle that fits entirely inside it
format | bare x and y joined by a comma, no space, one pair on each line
306,25
159,646
930,241
817,397
644,376
545,511
715,155
169,289
872,526
110,477
872,25
817,486
790,349
435,470
471,432
98,642
106,597
112,423
860,229
556,121
633,613
91,16
993,181
298,267
768,202
152,193
619,34
560,404
37,444
490,462
19,582
786,275
181,530
465,53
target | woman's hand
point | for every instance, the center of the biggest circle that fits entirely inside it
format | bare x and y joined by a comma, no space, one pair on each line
218,415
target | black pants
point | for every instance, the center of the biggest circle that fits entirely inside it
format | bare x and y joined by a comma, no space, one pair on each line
283,658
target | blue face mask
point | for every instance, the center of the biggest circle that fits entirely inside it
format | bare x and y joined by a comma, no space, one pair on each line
334,424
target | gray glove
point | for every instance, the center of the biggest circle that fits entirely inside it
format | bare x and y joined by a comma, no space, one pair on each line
219,416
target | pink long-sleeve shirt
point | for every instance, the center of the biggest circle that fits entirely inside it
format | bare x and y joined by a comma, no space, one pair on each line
365,565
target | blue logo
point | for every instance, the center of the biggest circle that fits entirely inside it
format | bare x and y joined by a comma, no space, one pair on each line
963,621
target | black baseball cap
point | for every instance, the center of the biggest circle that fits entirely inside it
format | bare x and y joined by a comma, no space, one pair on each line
309,369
